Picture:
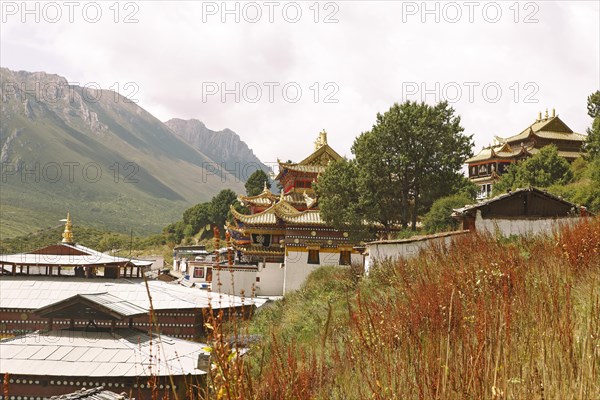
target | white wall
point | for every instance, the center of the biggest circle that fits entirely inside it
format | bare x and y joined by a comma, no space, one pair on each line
405,248
242,281
507,227
271,279
297,267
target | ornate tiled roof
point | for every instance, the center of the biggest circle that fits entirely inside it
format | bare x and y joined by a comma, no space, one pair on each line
500,151
314,163
267,217
309,217
548,128
280,211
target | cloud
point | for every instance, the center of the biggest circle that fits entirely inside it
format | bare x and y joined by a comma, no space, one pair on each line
377,53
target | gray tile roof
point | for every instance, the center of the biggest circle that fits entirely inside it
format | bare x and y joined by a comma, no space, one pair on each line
124,353
25,292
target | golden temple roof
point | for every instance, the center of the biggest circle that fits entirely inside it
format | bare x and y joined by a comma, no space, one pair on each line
548,127
266,199
314,163
280,211
500,151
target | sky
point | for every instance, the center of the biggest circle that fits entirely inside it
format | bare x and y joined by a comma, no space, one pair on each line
279,72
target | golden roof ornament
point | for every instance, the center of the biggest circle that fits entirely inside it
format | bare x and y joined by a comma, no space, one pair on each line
68,234
265,189
546,117
321,140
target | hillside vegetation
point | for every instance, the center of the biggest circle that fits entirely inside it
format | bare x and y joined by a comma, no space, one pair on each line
97,154
483,319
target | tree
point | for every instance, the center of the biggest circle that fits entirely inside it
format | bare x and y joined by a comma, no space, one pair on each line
411,156
592,144
197,217
544,169
419,150
255,183
340,200
219,207
439,217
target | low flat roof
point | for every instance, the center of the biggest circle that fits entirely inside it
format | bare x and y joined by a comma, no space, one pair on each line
29,292
124,353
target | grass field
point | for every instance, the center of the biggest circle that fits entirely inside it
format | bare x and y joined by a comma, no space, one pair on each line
485,319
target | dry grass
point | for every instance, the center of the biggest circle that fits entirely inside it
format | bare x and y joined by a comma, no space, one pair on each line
484,319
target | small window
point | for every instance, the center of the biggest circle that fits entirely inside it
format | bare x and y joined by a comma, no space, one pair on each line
313,257
344,258
258,279
199,272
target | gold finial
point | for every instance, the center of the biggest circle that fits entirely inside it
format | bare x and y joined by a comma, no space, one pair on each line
539,116
553,112
546,114
321,140
281,195
265,189
68,234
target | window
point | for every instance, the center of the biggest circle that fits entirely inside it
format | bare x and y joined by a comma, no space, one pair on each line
313,257
199,272
344,258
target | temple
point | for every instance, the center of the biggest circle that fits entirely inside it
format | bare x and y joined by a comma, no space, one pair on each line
285,233
71,259
492,161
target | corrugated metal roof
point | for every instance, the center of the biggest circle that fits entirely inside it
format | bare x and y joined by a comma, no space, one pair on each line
86,256
116,304
16,292
99,354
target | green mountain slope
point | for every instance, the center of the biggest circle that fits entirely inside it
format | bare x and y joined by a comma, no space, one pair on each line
94,153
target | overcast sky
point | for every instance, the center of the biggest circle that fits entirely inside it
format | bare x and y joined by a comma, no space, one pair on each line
298,68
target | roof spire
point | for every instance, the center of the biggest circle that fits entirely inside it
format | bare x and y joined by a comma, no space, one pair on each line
68,234
553,112
546,117
539,117
265,189
321,140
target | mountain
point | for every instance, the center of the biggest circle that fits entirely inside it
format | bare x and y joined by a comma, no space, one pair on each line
225,147
96,154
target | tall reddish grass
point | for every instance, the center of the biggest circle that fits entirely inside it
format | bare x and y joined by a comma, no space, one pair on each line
481,319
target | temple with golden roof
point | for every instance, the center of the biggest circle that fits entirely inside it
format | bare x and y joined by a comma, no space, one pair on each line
492,161
286,231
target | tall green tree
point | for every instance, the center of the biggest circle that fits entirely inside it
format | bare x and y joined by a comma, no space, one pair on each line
412,155
256,182
219,208
342,205
592,145
197,217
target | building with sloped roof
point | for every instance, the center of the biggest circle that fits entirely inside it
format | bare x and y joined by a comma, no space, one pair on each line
92,351
285,234
71,259
492,161
179,309
520,212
